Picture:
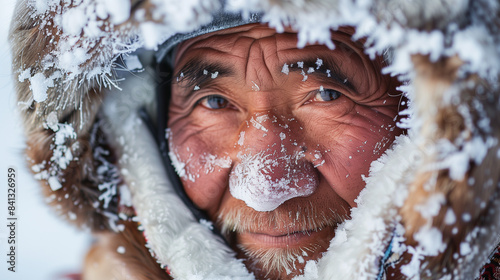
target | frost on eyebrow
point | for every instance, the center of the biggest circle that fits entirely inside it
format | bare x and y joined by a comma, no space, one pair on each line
317,66
319,62
305,76
285,69
180,77
321,67
196,72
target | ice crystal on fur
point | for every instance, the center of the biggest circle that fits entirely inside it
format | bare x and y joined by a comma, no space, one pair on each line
431,207
54,183
207,224
61,152
61,156
107,173
132,62
120,250
40,84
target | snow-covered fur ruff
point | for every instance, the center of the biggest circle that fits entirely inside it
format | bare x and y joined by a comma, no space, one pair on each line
432,198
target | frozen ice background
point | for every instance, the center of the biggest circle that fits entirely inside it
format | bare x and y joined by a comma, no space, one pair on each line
47,247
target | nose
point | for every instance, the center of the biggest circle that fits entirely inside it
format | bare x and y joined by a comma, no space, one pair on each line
271,165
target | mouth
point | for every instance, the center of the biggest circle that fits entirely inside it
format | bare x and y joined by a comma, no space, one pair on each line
282,255
290,239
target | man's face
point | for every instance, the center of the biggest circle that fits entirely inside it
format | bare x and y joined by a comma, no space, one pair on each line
272,141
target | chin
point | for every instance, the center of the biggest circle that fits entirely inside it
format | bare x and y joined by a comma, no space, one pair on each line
284,261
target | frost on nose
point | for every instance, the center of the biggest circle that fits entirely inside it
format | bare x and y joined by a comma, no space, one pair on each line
264,181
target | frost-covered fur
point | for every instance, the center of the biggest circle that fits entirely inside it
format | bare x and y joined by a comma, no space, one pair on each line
172,232
442,202
384,192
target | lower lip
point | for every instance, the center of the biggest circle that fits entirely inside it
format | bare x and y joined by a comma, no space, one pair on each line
285,240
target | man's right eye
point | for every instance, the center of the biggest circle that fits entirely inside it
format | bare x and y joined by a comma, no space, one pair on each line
213,102
326,95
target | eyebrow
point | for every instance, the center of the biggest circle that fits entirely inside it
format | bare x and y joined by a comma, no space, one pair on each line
199,72
329,70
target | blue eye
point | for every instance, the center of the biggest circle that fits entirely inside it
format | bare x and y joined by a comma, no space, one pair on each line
327,95
213,102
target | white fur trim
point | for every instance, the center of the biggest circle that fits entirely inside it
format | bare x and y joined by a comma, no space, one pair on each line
359,243
189,249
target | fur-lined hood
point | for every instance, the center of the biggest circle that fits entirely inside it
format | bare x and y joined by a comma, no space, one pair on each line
432,198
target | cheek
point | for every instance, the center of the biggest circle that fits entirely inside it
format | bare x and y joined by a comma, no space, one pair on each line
207,191
349,145
202,168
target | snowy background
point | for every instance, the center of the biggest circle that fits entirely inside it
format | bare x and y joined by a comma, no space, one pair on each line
47,246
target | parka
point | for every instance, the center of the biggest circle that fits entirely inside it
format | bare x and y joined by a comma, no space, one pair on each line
86,77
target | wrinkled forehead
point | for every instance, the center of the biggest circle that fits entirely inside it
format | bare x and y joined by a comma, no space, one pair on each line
232,40
253,44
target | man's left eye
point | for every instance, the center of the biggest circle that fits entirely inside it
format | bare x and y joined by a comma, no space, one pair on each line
327,95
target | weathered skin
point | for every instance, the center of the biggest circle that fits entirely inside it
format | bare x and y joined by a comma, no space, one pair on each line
260,110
